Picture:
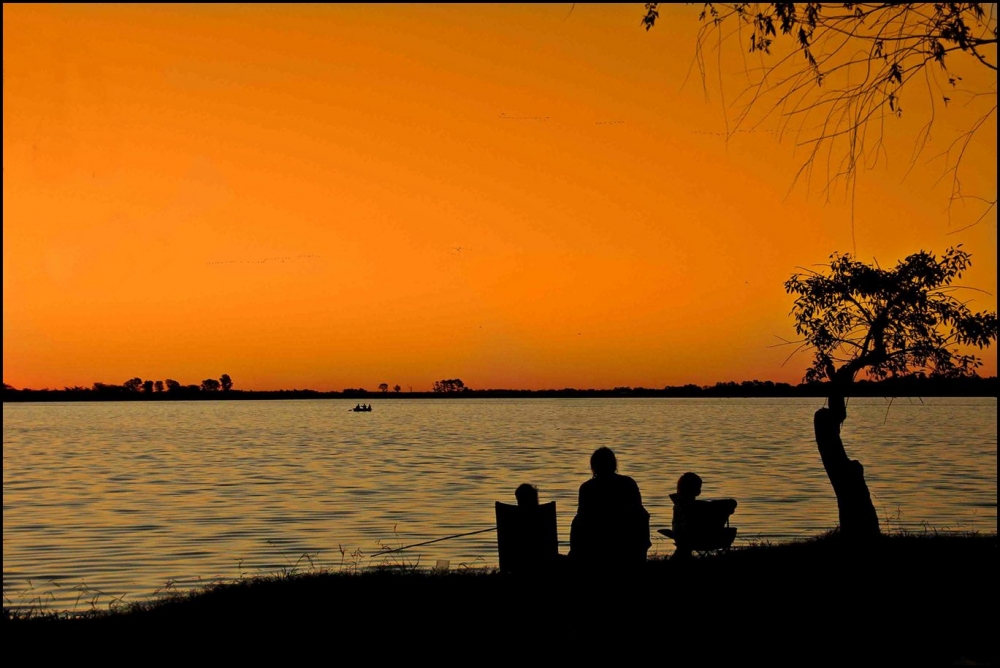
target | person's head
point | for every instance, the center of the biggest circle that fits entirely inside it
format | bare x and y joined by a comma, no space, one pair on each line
603,462
689,484
526,495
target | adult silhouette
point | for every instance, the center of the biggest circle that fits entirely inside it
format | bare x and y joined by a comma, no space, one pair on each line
611,527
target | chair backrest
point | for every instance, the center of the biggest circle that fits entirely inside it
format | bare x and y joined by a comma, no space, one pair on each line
527,538
703,525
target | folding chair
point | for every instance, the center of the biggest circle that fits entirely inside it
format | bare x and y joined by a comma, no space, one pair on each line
527,538
708,530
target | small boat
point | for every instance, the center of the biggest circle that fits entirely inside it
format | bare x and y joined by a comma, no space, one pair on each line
361,409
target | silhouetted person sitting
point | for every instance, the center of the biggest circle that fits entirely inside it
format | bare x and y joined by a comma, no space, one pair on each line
697,524
527,539
526,495
611,527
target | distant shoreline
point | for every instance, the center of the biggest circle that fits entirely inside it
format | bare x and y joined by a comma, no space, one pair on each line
974,386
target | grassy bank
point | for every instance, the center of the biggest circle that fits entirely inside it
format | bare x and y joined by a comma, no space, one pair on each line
924,599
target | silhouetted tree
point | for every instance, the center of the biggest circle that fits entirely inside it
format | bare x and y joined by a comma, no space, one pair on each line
133,384
210,385
848,67
448,386
147,387
885,323
173,385
383,387
396,388
226,382
158,385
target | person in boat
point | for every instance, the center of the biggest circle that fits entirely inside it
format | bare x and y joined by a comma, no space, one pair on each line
694,518
358,408
611,528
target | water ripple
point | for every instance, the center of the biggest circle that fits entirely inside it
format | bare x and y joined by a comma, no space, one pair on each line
102,500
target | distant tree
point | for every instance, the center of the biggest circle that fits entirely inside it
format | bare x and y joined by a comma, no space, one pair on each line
226,382
210,385
396,388
158,385
886,323
147,386
847,68
383,387
133,384
449,386
173,385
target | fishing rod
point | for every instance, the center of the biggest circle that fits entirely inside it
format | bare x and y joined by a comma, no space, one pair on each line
436,540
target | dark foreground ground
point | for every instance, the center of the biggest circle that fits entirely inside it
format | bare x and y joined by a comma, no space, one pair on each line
907,600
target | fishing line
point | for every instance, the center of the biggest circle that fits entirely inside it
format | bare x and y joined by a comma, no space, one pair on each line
436,540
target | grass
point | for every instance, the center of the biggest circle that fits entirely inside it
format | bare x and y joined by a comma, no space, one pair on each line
911,598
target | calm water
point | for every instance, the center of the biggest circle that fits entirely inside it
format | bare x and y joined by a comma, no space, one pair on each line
109,499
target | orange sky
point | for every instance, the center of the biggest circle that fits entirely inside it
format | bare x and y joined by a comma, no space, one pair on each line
518,196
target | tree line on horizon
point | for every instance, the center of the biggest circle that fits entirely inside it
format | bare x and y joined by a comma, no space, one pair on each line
139,386
918,384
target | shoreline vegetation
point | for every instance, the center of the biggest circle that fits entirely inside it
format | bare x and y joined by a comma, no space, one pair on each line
904,599
139,390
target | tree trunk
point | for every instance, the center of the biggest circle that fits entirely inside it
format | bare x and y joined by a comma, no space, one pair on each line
858,519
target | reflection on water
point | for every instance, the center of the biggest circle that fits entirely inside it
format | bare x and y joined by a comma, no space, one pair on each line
123,498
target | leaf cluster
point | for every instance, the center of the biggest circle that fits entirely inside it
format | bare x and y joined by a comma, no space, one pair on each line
888,322
845,70
891,29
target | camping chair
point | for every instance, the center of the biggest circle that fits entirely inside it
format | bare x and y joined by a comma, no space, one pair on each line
527,539
712,533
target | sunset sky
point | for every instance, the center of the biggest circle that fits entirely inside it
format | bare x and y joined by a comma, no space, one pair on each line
338,196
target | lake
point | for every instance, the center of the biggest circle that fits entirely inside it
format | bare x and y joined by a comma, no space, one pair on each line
106,502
